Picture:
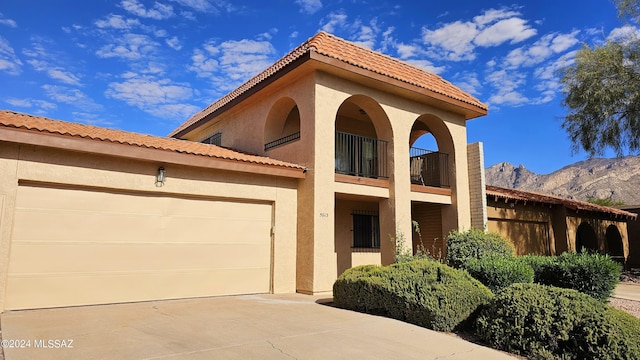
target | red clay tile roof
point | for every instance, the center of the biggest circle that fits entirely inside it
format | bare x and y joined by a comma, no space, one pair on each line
519,195
10,119
350,53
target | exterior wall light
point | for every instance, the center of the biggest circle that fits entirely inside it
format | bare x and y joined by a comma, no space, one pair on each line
161,177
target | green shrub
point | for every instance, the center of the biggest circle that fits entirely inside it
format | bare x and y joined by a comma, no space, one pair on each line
474,244
423,292
593,274
498,272
544,322
537,263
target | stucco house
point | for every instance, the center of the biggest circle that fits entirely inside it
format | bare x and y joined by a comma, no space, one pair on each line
91,216
545,224
350,116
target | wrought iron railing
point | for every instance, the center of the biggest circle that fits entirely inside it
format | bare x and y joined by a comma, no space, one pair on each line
429,168
360,156
282,141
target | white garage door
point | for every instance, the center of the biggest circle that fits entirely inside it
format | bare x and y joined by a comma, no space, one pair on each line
84,246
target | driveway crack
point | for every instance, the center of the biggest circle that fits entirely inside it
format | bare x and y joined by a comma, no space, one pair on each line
281,351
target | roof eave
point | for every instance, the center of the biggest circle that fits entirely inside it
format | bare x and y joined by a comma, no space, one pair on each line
470,111
93,146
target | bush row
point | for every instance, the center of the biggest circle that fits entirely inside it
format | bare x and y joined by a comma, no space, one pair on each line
544,322
422,292
489,258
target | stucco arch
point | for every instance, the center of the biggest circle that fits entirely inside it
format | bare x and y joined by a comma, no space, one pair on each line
364,109
432,124
429,166
586,238
364,138
283,120
614,241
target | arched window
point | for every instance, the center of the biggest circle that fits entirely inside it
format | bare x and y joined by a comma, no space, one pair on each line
429,164
282,125
586,238
614,242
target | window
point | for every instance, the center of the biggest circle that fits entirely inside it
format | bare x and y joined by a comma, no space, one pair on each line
366,229
215,139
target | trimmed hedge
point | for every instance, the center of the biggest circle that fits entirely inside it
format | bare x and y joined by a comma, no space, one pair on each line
544,322
422,292
593,274
474,244
498,272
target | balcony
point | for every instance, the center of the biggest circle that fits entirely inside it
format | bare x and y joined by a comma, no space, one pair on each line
361,156
429,168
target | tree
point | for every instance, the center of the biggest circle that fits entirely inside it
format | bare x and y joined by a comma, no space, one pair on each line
602,92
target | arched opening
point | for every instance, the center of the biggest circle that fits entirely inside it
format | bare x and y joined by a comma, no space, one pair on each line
362,139
431,149
282,125
614,243
586,238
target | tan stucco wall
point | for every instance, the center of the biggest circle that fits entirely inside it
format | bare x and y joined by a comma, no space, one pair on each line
539,229
600,227
319,96
56,166
347,257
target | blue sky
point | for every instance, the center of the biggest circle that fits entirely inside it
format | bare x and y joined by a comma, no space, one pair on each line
147,66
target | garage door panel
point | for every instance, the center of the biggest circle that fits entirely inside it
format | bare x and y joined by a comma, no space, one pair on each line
59,258
76,243
30,292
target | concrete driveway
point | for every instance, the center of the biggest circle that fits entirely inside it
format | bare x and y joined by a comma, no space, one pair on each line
238,327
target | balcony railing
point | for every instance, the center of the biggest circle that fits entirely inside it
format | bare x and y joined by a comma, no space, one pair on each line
429,168
282,141
361,156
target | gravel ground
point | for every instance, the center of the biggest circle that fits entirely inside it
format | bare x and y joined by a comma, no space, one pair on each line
630,306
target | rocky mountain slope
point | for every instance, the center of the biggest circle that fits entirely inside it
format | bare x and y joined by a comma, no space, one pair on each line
617,178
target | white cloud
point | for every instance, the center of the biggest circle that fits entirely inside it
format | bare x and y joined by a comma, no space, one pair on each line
129,46
163,98
309,6
625,33
56,73
548,46
507,85
174,43
469,82
333,21
71,96
158,11
513,30
8,22
206,6
232,62
31,103
117,22
456,41
9,62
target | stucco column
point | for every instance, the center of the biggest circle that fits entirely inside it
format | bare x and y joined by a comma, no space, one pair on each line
9,154
458,215
325,257
395,213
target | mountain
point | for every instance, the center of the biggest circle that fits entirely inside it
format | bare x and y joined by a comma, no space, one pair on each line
617,178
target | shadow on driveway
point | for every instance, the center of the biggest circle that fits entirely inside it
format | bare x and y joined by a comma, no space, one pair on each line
290,326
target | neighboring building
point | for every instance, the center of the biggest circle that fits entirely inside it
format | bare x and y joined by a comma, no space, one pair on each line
91,216
550,225
351,116
633,227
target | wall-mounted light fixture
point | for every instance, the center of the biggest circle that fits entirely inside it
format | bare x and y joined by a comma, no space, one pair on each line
161,176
